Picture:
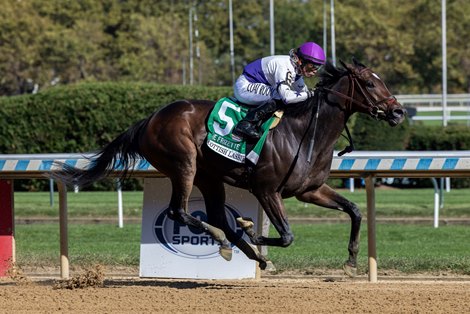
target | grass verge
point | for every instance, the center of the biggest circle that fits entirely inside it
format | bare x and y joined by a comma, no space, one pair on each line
389,203
402,248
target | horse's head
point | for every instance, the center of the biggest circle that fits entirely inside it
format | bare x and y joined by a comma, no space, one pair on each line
371,95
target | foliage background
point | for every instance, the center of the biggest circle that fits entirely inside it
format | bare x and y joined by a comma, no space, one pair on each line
84,117
60,42
82,56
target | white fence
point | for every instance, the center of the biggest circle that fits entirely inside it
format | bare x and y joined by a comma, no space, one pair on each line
457,106
367,165
452,113
434,100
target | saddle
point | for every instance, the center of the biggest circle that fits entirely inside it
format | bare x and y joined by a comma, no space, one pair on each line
225,115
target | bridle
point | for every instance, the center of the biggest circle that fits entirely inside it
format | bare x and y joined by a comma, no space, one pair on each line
374,106
374,111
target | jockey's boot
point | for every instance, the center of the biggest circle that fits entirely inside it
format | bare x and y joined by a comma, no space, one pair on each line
248,127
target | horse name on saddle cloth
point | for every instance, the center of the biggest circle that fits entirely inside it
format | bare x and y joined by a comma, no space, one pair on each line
222,120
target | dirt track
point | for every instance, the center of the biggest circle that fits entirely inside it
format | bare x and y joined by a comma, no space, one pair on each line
266,295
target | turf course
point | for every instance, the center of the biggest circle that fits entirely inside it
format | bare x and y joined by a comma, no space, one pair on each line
406,248
402,248
389,203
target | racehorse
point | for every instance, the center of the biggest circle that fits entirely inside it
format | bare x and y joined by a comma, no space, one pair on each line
295,160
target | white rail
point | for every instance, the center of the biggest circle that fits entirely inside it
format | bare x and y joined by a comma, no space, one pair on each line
434,99
366,164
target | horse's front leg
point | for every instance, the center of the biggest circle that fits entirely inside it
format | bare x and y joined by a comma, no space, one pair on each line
274,207
327,197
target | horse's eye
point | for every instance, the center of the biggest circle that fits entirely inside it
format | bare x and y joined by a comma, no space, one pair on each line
370,84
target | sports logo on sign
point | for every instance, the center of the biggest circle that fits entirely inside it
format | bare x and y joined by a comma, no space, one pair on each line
186,241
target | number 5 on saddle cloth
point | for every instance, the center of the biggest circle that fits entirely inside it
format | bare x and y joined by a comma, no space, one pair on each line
222,120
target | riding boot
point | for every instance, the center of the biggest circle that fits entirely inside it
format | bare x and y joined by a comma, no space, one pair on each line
248,127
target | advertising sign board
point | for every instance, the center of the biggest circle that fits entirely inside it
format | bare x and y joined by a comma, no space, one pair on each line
172,250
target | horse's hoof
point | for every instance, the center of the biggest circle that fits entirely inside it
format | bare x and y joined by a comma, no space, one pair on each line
270,266
267,266
226,253
245,223
350,270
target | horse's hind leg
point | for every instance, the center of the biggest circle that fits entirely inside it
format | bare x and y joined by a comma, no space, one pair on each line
214,197
329,198
170,145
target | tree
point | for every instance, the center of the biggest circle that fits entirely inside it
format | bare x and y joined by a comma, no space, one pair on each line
251,32
56,41
297,22
458,50
21,33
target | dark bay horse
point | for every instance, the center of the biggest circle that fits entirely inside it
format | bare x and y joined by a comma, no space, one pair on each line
295,160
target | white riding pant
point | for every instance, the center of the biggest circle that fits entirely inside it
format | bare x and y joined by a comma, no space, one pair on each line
253,93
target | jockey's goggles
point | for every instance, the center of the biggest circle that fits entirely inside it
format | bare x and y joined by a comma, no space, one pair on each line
310,67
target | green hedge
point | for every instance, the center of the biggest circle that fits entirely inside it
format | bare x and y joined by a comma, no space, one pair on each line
453,137
370,134
84,117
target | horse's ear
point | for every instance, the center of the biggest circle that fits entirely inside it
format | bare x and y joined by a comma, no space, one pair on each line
348,67
344,64
357,63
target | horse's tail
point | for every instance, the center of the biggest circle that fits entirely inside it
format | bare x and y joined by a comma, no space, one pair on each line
121,153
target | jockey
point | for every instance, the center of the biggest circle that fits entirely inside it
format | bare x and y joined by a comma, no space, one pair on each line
275,78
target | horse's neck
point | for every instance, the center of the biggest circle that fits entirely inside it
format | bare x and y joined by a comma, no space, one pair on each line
336,110
326,126
309,141
311,137
331,123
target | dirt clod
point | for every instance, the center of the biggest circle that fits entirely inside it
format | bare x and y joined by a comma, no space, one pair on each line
93,277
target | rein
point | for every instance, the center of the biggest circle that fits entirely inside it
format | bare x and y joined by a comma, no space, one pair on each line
312,139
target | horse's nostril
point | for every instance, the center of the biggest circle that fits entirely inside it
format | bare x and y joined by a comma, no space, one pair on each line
399,112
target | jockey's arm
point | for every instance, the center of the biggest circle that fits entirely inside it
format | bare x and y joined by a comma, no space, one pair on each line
290,96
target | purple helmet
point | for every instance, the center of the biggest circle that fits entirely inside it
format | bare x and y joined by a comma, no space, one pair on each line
311,52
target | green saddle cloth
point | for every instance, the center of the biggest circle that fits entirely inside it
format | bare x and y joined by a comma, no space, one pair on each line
222,120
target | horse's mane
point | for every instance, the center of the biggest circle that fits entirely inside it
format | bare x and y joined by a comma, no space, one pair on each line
329,74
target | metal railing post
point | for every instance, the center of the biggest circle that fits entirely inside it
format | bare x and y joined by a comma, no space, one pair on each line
371,243
64,248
